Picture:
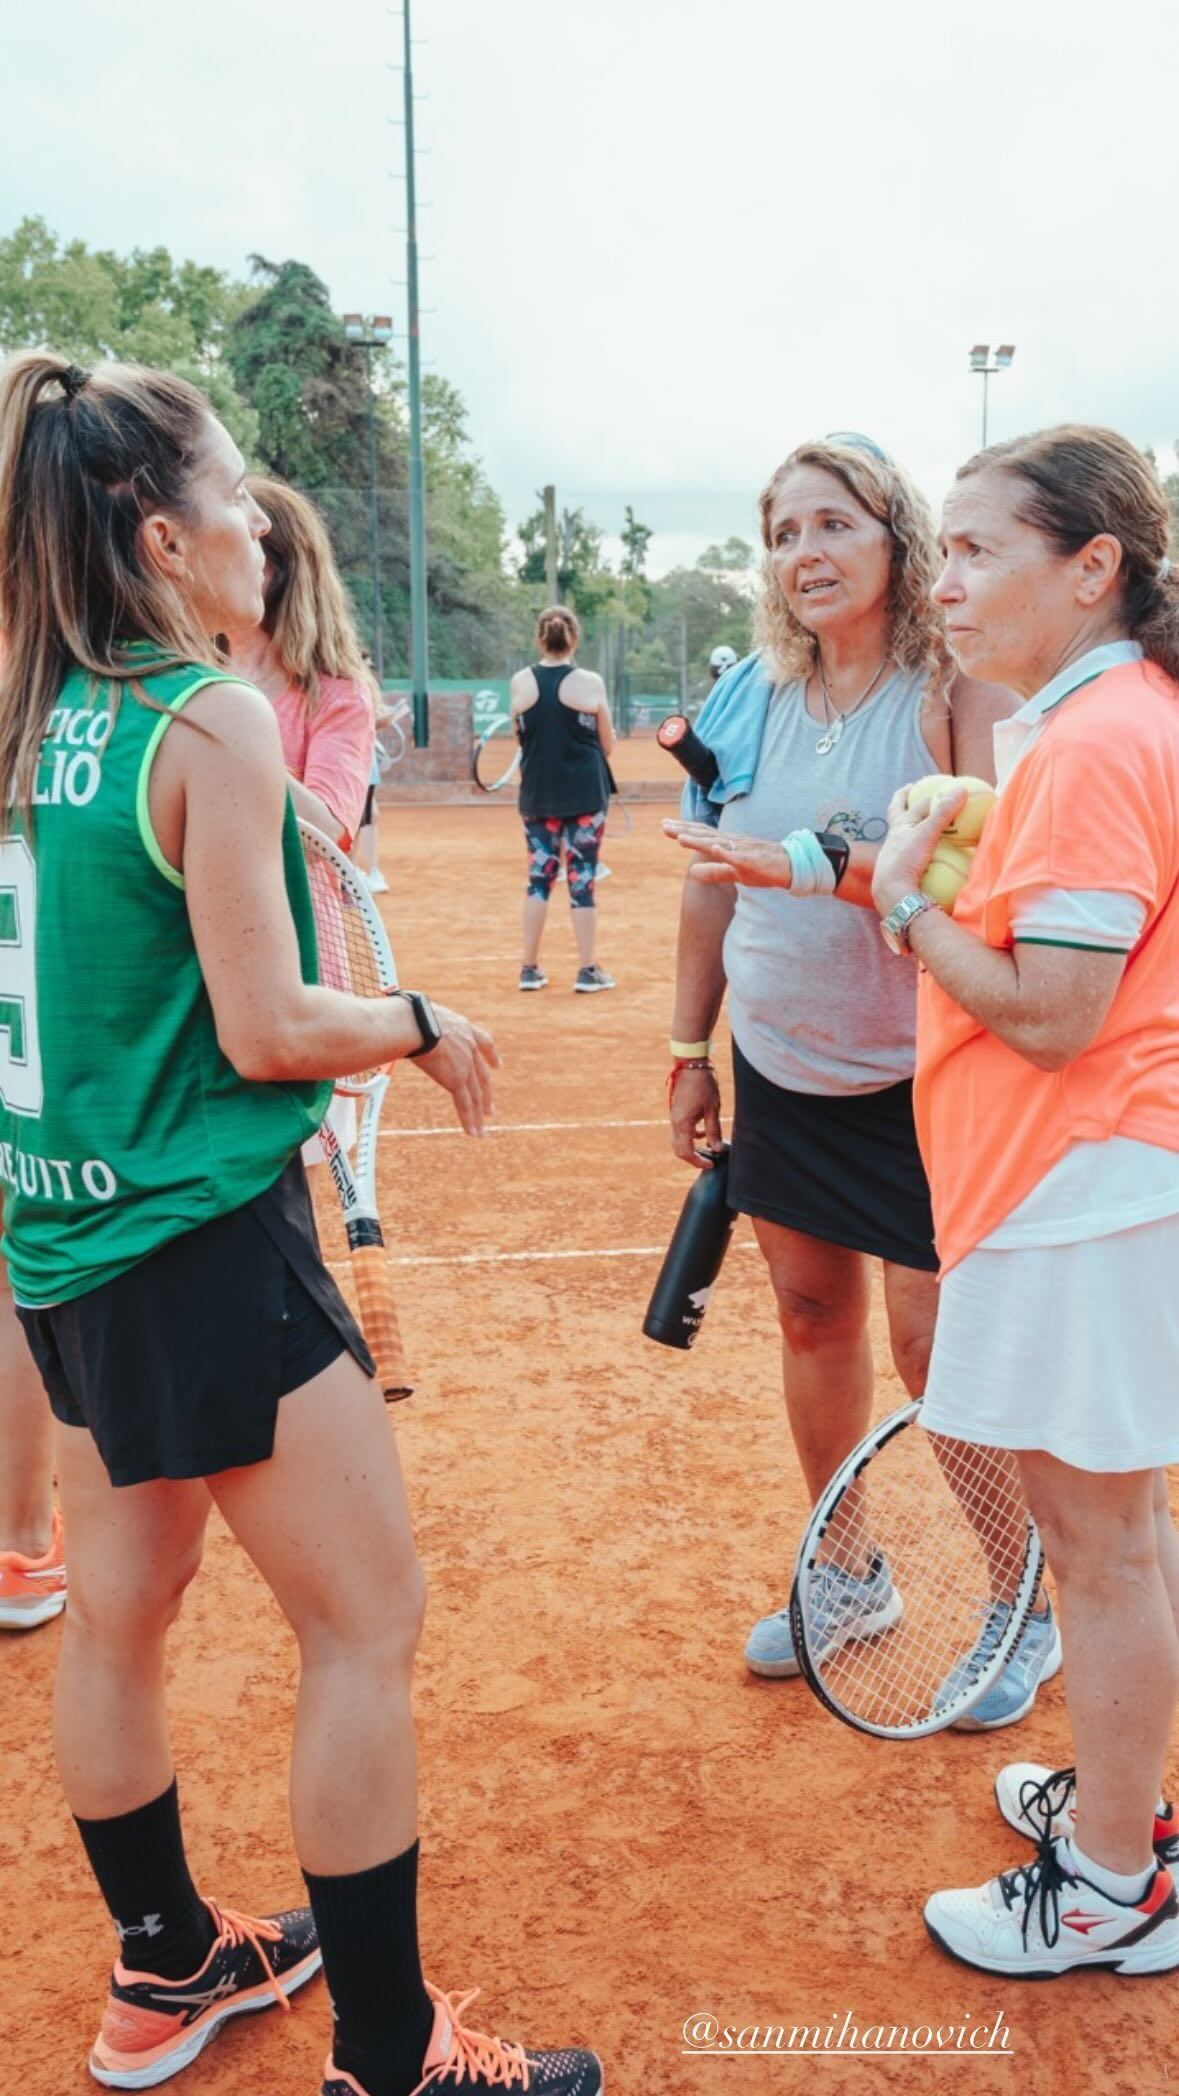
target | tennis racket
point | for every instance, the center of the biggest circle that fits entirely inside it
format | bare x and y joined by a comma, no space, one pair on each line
914,1579
487,766
355,955
392,742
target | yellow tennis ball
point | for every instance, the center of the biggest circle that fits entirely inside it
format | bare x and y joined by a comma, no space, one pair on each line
946,872
967,825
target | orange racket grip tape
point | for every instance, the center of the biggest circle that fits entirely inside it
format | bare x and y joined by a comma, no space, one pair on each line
378,1319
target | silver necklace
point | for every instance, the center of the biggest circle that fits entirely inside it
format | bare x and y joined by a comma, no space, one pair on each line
837,721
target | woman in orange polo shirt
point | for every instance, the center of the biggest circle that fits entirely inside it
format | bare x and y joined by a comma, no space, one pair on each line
1047,1106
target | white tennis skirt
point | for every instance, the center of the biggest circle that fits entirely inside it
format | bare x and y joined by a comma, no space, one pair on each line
1070,1348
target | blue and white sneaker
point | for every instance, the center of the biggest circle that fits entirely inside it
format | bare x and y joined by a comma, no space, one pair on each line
841,1608
1036,1658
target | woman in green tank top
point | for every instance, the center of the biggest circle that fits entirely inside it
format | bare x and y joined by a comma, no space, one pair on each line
165,1049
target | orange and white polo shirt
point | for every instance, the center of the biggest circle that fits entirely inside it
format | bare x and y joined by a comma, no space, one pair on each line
1093,803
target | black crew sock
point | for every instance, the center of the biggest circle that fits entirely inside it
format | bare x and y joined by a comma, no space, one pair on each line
138,1858
368,1933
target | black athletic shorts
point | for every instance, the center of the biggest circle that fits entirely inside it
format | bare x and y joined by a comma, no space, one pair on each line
846,1170
370,801
177,1366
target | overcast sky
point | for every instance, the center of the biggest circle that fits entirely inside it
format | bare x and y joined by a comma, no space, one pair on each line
668,239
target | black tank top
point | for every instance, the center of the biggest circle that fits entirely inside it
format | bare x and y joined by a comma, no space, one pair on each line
562,771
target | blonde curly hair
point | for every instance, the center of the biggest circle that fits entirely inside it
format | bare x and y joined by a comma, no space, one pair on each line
917,641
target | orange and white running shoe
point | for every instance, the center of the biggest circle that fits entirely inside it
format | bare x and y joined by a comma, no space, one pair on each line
459,2058
33,1589
154,2027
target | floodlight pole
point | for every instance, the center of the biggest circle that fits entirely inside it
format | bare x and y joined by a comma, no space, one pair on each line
374,523
982,362
418,608
369,334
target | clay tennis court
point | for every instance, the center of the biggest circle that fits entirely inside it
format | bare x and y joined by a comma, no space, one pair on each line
621,1828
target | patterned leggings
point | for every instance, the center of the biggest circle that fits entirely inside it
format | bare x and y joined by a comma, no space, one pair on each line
582,839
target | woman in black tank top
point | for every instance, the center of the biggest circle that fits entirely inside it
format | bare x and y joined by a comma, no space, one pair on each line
562,718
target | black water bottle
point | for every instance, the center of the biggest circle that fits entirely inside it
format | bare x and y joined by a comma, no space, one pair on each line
694,1258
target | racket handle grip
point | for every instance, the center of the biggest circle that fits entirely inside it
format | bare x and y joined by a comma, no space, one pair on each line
378,1319
678,737
694,1258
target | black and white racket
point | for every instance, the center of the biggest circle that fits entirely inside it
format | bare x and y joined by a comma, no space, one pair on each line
355,955
392,740
492,767
914,1579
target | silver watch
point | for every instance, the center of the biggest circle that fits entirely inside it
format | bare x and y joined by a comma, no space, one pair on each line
894,929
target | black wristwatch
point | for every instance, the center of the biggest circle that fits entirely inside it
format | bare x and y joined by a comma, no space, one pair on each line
836,851
424,1018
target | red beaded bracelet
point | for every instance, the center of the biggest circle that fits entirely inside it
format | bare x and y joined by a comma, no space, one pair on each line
686,1062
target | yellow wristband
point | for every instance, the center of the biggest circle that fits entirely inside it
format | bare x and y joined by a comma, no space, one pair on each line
690,1050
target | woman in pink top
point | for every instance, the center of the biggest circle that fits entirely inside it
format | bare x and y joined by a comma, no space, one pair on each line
1047,1107
306,657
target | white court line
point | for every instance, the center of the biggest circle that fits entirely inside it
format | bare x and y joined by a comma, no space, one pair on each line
340,1266
527,1127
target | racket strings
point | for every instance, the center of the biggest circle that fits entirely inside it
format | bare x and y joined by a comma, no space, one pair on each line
348,958
918,1572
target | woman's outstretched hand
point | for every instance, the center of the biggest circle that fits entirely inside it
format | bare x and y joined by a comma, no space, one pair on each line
751,862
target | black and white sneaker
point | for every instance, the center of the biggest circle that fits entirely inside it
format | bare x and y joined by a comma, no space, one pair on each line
589,979
532,978
480,2064
153,2027
1025,1789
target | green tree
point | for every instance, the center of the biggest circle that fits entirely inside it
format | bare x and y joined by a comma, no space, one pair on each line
584,578
309,386
144,308
735,555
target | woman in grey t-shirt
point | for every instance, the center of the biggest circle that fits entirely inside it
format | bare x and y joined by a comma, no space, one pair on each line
852,694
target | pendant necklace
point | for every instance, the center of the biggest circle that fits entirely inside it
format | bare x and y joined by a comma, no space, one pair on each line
836,721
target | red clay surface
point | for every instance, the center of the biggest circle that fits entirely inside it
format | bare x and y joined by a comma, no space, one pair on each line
621,1828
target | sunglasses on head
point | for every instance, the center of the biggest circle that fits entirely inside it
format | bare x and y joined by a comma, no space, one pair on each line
857,442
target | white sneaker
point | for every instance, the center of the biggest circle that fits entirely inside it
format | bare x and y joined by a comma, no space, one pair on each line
1044,1919
1026,1790
377,883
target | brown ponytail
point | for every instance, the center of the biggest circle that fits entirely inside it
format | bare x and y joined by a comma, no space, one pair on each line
557,630
1079,483
84,457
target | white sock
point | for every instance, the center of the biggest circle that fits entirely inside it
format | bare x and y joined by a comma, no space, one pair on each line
1116,1885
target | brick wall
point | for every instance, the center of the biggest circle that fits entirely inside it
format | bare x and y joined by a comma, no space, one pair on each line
444,766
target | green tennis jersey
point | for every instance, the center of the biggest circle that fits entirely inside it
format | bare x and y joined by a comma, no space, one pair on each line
122,1123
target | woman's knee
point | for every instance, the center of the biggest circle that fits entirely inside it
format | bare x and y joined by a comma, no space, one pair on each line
1097,1539
379,1626
120,1604
910,1355
810,1322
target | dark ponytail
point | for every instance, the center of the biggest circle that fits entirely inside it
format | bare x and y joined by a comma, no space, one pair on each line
557,630
84,457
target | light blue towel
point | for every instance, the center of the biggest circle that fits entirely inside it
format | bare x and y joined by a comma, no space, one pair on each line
731,722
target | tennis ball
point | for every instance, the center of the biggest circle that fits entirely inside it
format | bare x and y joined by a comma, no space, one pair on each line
968,823
946,872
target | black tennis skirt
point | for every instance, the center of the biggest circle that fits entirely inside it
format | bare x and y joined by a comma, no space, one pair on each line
846,1170
177,1366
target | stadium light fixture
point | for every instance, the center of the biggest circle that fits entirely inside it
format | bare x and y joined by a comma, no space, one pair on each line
986,367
